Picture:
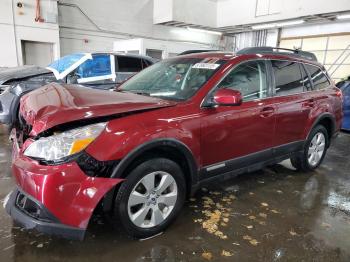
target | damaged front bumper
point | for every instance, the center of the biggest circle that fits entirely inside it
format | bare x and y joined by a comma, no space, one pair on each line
56,199
31,214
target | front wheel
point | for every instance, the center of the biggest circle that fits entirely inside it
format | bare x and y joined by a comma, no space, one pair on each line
150,198
314,150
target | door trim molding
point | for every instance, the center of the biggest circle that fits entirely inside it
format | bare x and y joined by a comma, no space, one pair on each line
251,162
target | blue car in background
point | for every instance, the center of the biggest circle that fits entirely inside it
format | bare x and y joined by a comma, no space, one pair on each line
345,88
95,70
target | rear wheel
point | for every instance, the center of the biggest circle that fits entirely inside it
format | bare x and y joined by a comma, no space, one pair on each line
314,150
150,198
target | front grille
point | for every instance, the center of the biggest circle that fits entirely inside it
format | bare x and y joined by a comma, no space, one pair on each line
32,209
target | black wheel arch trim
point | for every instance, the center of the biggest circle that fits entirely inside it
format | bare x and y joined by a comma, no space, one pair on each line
322,117
119,170
153,144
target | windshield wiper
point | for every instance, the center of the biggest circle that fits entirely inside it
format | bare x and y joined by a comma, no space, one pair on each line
138,92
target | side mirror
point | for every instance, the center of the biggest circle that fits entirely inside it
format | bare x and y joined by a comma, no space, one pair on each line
227,97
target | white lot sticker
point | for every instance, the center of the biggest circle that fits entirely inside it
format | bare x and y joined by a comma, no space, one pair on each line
206,66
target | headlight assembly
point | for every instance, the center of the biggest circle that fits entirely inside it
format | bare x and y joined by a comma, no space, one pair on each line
65,144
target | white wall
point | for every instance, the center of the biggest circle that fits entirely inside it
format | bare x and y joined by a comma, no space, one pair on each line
233,12
18,24
115,20
318,29
167,47
198,12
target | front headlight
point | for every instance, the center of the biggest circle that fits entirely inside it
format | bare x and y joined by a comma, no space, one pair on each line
65,144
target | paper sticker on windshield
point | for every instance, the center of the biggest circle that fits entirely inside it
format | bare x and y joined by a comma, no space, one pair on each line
206,66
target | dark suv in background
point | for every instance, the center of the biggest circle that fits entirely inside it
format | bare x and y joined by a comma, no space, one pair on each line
140,151
94,70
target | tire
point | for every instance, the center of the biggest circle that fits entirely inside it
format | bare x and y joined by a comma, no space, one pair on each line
157,211
304,161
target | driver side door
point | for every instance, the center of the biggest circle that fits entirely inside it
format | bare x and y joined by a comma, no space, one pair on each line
234,137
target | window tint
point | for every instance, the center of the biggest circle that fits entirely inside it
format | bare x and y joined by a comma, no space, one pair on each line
288,77
318,77
248,78
129,64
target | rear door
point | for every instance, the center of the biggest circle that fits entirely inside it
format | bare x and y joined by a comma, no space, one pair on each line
293,103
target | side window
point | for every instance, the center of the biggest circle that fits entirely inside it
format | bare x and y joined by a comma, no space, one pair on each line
145,63
288,78
248,78
318,77
306,79
129,64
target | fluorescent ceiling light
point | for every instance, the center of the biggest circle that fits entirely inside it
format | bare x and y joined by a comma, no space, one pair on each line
344,16
289,23
204,31
279,24
263,26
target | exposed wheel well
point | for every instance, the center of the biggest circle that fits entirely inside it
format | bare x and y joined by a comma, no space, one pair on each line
165,151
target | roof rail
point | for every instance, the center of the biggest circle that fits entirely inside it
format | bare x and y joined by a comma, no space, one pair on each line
278,50
196,51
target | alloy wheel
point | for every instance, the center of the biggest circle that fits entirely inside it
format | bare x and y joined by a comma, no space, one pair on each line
152,199
316,149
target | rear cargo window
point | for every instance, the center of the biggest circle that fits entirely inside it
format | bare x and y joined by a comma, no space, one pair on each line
288,78
318,77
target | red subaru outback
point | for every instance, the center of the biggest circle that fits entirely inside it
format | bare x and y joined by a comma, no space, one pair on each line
140,151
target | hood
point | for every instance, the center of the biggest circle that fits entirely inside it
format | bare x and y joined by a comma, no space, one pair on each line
21,72
56,104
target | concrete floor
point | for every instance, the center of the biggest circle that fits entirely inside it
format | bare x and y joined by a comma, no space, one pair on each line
275,214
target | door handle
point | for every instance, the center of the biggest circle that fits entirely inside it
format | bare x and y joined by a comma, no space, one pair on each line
267,111
309,103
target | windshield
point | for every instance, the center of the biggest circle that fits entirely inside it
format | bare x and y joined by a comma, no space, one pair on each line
175,79
84,68
100,67
63,66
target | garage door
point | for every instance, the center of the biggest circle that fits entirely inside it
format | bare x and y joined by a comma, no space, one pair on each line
331,50
37,53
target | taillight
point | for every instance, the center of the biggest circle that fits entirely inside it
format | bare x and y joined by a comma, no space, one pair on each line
339,93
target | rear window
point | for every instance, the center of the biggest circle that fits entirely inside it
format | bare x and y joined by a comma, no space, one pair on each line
129,64
288,77
318,77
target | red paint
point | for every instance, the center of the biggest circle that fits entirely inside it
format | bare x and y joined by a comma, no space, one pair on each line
212,134
62,189
228,97
56,104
